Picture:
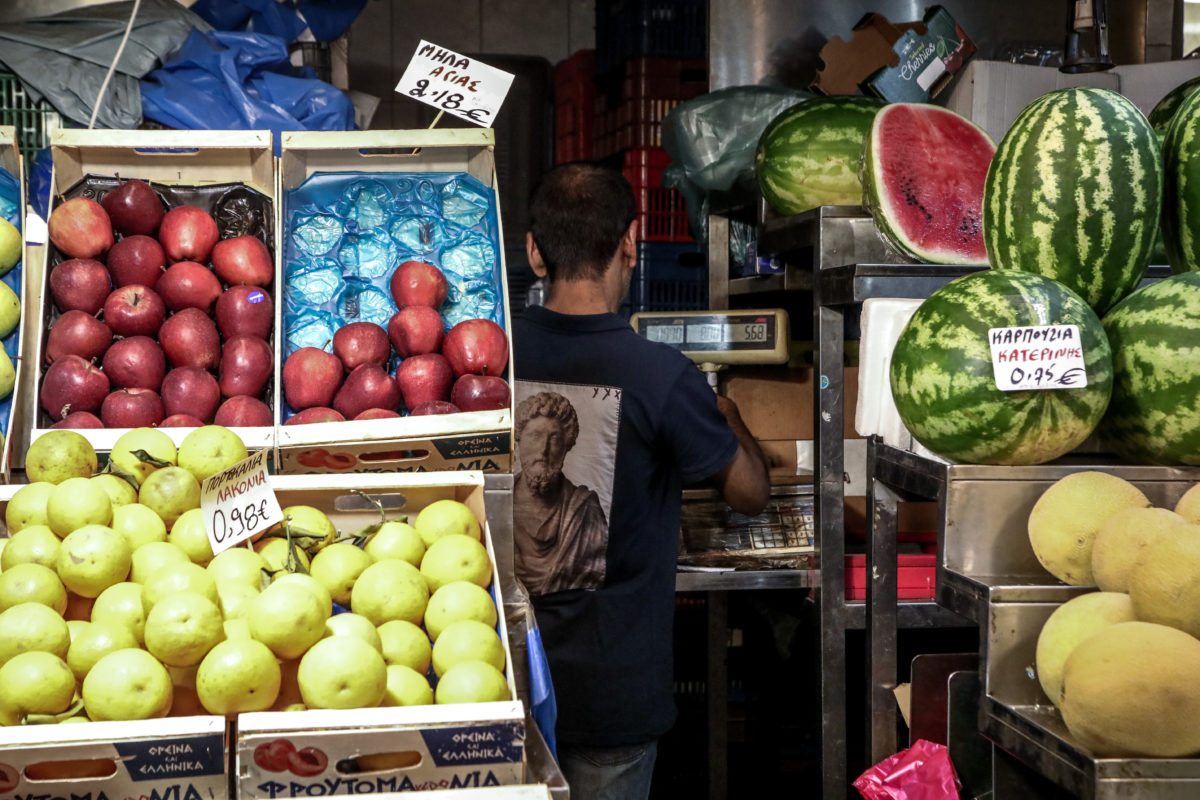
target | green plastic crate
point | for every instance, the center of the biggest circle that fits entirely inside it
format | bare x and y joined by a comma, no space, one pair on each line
34,121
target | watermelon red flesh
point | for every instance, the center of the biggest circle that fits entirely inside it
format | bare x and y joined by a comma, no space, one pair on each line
925,168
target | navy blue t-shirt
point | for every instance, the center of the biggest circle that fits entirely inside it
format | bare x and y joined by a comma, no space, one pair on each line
610,427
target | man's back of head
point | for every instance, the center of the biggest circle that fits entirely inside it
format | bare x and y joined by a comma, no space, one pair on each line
578,214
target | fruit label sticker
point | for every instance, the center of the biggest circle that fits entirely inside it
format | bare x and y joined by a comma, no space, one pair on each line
1037,357
238,502
453,83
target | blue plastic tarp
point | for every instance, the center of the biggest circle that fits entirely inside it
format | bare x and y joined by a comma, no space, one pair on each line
325,19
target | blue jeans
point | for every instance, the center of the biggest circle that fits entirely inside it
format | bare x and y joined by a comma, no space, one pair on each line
608,773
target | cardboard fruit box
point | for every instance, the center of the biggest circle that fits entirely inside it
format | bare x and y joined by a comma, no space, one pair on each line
187,167
12,190
407,748
397,160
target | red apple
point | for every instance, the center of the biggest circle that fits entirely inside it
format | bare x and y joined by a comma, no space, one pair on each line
73,384
134,310
416,330
368,386
187,284
80,228
192,391
79,420
244,411
415,283
434,407
188,233
481,393
136,362
77,333
243,259
246,366
476,346
134,208
136,259
315,414
377,413
190,339
423,378
245,311
361,343
79,283
181,421
131,408
311,377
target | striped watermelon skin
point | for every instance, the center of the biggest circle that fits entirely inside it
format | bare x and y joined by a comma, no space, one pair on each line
1160,116
808,155
1181,187
943,383
1074,193
1154,415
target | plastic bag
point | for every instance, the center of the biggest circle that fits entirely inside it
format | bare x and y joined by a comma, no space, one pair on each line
922,772
542,705
325,19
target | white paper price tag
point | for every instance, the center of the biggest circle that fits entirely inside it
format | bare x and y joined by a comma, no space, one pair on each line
453,83
1037,357
238,502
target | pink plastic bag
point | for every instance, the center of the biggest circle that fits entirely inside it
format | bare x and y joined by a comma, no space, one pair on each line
922,772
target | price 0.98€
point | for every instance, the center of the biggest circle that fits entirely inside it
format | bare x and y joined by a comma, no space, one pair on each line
448,100
238,520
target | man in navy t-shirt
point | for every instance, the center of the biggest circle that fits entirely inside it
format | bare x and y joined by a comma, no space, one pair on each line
609,428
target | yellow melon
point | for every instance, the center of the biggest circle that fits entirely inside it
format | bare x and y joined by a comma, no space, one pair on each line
1070,624
1123,541
1165,585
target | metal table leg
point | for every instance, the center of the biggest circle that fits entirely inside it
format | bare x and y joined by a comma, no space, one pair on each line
718,694
881,614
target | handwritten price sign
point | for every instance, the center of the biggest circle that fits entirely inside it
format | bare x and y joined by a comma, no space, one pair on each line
453,83
238,503
1037,357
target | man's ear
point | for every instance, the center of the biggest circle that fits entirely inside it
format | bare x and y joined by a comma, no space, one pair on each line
535,257
629,244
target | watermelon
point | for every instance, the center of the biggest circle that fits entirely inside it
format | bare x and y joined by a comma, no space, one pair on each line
1181,187
808,155
1154,416
923,170
1074,193
1160,116
944,386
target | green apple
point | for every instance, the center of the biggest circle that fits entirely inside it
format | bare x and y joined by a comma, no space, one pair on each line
120,491
182,627
93,558
32,583
172,578
350,624
121,604
389,590
8,372
458,600
406,687
455,557
396,540
238,565
467,640
127,684
27,506
150,557
446,516
77,502
57,455
10,304
288,618
152,442
32,626
472,682
35,544
238,675
12,246
190,534
138,524
34,682
310,583
405,643
337,567
170,491
342,672
209,449
94,641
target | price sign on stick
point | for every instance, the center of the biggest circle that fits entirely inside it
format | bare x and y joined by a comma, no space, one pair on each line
453,83
1037,357
238,502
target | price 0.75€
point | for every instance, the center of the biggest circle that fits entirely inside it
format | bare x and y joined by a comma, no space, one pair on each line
232,522
448,100
1048,377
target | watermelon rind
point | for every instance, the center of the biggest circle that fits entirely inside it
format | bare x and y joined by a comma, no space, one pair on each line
943,382
808,155
1164,110
1181,187
1074,193
959,233
1154,414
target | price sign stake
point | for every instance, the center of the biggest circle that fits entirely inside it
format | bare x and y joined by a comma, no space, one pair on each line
238,502
1037,357
455,84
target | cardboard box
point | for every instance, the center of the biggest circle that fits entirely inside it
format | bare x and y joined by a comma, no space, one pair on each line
776,402
533,792
439,746
479,440
168,158
900,62
1146,84
17,280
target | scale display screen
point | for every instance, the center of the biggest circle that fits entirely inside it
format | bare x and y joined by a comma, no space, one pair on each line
729,337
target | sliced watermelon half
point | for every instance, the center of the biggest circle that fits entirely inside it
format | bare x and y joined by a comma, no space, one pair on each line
923,173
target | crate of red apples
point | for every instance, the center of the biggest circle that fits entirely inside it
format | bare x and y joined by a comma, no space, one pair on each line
394,313
156,300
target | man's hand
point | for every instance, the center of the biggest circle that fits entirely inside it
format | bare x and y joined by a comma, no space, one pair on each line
743,482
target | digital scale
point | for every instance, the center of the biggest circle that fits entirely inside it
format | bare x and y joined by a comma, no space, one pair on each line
715,339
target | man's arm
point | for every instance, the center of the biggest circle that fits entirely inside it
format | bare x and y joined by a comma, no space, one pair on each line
743,482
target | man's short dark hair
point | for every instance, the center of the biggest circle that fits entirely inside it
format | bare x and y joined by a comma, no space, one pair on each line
578,214
551,405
